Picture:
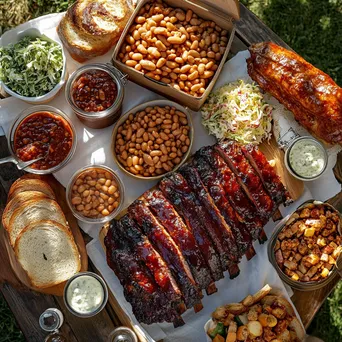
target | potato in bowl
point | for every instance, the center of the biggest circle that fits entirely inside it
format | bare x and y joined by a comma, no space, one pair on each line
260,317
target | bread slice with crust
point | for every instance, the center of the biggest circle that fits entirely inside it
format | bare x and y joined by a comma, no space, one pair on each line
33,211
101,17
91,27
30,184
48,253
18,201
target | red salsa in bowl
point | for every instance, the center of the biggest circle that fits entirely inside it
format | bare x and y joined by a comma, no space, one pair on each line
94,91
43,134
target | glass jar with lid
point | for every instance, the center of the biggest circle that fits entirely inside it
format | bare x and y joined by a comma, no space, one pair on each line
95,93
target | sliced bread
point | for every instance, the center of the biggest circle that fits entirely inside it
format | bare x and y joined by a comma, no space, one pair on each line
17,201
34,211
48,253
98,17
30,184
79,46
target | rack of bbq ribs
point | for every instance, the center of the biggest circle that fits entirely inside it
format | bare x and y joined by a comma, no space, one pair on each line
179,238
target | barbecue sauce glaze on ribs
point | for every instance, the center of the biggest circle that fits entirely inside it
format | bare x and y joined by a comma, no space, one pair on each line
180,238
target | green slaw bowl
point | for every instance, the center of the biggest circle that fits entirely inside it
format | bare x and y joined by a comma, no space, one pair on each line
13,38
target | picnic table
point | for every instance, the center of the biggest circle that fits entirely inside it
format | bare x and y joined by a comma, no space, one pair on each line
27,305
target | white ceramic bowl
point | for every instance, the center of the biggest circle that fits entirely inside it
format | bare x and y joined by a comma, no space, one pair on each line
33,32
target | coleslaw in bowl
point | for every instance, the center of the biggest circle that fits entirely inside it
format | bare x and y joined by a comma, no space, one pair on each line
238,111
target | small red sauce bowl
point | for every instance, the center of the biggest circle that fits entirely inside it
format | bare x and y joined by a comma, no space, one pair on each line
50,132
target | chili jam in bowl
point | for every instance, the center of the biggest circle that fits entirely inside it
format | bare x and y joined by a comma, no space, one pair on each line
43,131
95,92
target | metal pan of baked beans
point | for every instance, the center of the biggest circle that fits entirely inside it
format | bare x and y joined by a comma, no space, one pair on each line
152,139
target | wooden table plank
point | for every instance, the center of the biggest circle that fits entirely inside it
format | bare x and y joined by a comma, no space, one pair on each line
27,305
250,29
308,303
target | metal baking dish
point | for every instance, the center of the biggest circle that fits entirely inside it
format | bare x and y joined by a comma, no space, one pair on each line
298,285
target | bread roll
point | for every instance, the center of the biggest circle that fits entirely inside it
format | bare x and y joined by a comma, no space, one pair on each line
48,253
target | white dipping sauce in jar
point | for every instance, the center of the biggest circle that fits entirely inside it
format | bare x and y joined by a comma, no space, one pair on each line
307,158
85,294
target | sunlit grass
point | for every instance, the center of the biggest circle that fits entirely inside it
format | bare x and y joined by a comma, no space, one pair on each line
313,28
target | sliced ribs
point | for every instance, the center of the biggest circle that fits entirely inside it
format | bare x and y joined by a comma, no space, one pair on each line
217,227
235,194
144,250
270,179
248,177
241,232
166,214
169,251
137,281
177,191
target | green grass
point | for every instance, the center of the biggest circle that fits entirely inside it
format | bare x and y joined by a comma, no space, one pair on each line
9,331
313,28
328,322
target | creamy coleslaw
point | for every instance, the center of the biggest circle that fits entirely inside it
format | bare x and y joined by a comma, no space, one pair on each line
238,111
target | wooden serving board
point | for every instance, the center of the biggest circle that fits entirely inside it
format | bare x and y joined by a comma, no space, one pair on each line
293,185
16,268
272,152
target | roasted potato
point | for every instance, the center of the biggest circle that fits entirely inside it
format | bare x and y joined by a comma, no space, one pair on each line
270,318
308,240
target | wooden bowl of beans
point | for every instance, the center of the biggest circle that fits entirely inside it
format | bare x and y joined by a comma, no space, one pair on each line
95,194
153,139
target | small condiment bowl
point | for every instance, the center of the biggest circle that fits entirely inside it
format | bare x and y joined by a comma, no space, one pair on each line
55,112
102,219
108,116
287,158
299,285
7,39
105,295
161,103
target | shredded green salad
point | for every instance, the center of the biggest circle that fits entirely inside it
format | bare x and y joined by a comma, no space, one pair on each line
238,111
31,67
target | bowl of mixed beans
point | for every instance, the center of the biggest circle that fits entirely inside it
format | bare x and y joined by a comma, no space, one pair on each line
95,194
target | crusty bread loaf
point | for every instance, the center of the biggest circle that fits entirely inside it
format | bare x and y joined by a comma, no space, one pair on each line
91,27
48,253
30,184
33,211
17,201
